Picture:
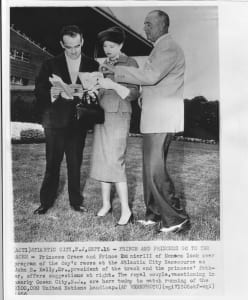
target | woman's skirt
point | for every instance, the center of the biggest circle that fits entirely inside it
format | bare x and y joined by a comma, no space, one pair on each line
109,148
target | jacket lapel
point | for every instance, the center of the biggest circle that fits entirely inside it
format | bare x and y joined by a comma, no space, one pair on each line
64,69
81,68
84,67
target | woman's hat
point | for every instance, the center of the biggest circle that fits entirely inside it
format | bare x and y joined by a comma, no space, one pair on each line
113,34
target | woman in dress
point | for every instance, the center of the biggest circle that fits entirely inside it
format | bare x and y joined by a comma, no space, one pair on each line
110,138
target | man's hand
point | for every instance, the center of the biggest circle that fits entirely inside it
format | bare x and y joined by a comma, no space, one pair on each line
58,91
107,69
55,92
77,90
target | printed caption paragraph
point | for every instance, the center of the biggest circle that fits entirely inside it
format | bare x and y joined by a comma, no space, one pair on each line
96,269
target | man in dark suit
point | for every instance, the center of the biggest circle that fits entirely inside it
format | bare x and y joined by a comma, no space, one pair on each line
63,132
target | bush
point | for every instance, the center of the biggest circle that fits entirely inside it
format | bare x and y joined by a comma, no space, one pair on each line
26,132
23,106
32,135
201,118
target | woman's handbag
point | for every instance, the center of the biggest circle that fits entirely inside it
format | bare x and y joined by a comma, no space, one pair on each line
88,110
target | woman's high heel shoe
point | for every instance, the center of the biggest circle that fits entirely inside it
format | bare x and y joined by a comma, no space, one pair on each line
108,212
130,220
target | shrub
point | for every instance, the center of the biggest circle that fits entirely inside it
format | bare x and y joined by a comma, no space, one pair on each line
23,106
26,132
201,119
32,135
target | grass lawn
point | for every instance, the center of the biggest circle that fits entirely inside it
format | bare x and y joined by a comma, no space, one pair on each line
194,168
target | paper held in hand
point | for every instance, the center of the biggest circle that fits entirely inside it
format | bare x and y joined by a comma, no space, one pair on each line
57,82
89,80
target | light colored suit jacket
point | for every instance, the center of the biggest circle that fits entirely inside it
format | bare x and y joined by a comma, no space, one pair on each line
162,78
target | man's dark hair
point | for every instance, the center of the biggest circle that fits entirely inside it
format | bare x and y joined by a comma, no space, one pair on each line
164,16
71,30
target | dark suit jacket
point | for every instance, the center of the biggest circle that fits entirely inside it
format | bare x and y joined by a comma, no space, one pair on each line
60,113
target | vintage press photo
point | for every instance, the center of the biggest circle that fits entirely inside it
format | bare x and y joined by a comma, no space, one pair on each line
62,239
193,160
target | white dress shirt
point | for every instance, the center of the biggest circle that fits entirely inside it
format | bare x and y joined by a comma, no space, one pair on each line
73,67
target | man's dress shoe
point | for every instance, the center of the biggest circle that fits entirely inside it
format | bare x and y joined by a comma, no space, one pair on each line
41,210
80,208
185,225
147,222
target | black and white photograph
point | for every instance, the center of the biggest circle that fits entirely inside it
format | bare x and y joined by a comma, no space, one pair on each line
115,147
150,169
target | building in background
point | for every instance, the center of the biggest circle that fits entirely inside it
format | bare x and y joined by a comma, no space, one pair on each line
26,57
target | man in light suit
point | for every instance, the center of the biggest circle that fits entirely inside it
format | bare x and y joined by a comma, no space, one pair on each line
162,79
64,133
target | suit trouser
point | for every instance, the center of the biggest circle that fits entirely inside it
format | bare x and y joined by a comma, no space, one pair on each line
159,192
59,141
